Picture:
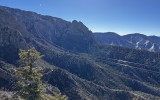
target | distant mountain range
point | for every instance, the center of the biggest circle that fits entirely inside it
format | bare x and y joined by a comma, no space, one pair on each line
136,40
75,62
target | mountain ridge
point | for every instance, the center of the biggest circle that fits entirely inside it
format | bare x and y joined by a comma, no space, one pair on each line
135,40
74,62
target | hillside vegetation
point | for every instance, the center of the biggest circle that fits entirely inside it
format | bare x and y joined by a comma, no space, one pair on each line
73,62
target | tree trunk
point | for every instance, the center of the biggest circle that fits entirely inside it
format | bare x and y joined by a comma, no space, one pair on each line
30,69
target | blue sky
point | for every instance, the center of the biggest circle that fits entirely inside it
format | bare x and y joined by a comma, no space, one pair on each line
121,16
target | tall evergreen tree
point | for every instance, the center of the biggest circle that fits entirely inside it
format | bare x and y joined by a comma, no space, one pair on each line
30,84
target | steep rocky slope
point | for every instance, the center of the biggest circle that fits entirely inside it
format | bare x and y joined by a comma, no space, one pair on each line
74,63
53,30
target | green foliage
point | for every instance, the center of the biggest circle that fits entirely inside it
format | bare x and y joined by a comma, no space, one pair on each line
103,52
57,96
29,57
30,84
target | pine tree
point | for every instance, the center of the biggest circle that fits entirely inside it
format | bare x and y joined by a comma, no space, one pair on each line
30,84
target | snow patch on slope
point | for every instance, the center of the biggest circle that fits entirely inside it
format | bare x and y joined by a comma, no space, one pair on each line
152,49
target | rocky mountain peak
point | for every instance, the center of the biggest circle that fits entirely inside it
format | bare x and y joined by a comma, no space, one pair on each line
74,63
73,36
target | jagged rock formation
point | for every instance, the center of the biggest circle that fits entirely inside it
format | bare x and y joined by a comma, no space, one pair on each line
74,63
53,30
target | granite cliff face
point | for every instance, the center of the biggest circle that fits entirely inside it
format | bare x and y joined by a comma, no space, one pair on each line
74,62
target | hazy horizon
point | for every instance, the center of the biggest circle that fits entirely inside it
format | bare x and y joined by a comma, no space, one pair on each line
122,17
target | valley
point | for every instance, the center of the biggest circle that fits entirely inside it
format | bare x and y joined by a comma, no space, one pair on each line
75,62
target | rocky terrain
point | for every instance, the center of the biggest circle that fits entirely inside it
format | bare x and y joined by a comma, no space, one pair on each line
74,62
136,41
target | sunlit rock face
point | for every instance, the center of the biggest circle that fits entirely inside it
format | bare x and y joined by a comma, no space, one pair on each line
73,62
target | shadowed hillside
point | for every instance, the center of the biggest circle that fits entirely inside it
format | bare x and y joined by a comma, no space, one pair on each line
74,63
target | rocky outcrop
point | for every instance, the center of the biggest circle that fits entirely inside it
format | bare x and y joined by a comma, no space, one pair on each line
74,36
73,63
